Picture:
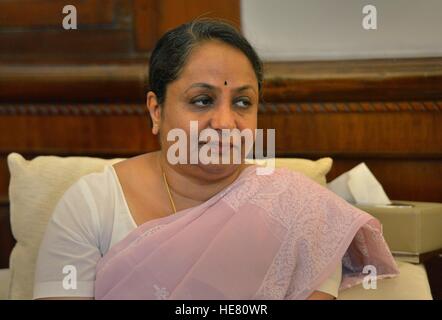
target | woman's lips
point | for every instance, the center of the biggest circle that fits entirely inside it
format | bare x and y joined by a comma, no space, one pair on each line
217,145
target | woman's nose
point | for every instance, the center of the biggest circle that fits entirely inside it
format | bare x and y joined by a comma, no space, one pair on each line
223,117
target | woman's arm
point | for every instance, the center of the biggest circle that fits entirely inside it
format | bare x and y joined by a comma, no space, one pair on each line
69,251
329,289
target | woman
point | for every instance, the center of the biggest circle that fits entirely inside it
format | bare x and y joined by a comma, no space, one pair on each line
148,229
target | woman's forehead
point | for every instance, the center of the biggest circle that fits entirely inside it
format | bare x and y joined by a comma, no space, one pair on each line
218,62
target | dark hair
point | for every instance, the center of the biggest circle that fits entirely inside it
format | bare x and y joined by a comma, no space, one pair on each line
174,47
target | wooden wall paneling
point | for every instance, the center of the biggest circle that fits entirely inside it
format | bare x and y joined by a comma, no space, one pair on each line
48,13
33,30
354,80
290,82
7,241
175,12
360,128
146,24
93,129
68,43
416,179
4,179
107,28
105,83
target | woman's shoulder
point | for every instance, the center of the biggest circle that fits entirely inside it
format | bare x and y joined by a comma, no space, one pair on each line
89,194
134,168
96,183
94,193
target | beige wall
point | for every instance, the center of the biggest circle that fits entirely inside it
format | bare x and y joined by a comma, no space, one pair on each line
332,29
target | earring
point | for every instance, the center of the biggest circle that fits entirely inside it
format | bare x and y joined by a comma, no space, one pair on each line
155,128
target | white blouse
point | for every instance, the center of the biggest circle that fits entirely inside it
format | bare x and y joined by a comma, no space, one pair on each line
88,220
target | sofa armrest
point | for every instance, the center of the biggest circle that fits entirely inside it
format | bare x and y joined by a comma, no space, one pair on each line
5,275
411,228
411,284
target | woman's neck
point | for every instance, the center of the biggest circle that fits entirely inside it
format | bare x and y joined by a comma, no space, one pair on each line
187,190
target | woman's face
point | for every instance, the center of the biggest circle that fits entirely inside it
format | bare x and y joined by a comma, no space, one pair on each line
218,88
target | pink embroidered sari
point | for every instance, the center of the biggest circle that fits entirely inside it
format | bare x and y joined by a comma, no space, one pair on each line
277,236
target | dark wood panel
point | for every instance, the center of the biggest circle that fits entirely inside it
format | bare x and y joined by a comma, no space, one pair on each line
175,12
402,179
358,80
402,133
4,180
7,241
146,24
368,129
31,13
421,79
73,83
113,134
32,30
66,43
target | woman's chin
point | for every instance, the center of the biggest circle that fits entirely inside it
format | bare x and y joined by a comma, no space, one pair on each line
217,171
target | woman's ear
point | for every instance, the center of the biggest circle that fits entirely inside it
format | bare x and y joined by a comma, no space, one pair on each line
154,110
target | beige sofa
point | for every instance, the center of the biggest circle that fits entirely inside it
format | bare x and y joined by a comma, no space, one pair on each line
38,184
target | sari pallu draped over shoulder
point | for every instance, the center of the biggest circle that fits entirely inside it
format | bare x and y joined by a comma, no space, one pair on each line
277,236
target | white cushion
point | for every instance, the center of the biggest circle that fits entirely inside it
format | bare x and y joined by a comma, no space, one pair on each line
316,170
34,190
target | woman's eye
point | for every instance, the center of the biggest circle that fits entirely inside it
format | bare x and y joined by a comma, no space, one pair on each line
243,103
202,101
